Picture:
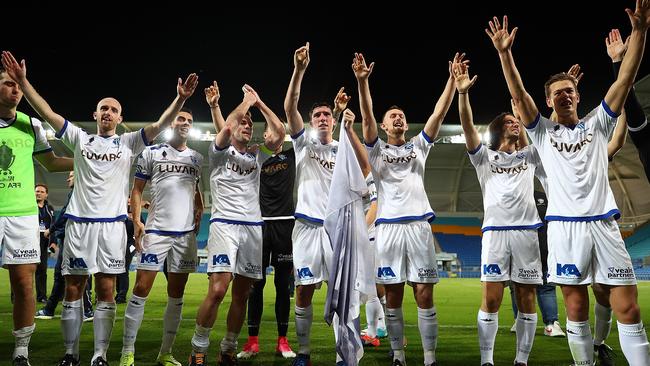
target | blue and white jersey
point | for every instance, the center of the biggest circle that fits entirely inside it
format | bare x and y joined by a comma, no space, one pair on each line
102,166
371,195
235,184
399,177
575,161
174,175
507,184
314,167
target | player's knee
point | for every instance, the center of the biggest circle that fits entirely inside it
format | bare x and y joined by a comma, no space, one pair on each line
630,313
217,293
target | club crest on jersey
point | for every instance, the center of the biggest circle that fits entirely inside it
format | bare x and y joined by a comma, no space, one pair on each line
7,158
409,145
335,150
520,155
581,126
194,160
116,142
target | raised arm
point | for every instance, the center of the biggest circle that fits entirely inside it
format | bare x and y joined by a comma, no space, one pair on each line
300,62
223,137
274,139
432,127
618,137
522,141
368,121
212,96
18,72
502,41
463,84
184,90
640,19
357,146
136,209
340,103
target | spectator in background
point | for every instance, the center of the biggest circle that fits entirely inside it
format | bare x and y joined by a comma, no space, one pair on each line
45,221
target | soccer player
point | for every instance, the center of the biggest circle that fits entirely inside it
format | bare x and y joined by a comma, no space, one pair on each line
403,236
235,239
175,213
315,159
510,246
95,238
19,228
585,244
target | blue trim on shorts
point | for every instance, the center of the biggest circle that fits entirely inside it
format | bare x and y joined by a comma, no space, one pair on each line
95,219
168,233
237,222
308,218
520,227
615,212
429,216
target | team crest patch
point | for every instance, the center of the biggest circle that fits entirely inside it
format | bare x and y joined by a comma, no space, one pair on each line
194,160
409,145
116,142
7,158
520,155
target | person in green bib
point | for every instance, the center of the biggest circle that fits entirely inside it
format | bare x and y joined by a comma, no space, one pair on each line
21,138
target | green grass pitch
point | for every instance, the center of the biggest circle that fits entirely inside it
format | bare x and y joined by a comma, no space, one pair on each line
457,301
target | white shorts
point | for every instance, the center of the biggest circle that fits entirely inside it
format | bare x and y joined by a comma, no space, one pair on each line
581,253
179,250
406,253
92,247
511,255
312,253
20,242
236,249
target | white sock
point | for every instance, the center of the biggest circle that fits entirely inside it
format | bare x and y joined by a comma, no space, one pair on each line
634,343
488,324
229,342
526,324
103,324
71,320
579,336
304,318
171,322
395,327
602,323
201,339
132,319
373,307
428,325
23,335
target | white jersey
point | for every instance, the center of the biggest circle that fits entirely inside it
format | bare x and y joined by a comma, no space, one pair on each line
102,166
399,177
235,185
314,167
575,161
507,183
41,145
371,196
173,175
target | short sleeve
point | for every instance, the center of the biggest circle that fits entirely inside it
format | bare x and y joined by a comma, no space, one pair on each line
143,167
41,144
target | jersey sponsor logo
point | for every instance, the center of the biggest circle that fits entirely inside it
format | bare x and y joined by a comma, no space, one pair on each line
385,272
571,147
186,264
528,274
327,164
239,169
149,258
178,168
568,270
253,268
282,258
509,170
220,259
274,168
78,263
101,157
399,159
25,253
620,273
427,273
304,272
491,269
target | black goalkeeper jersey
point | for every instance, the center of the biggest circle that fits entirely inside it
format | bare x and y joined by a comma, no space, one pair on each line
276,184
